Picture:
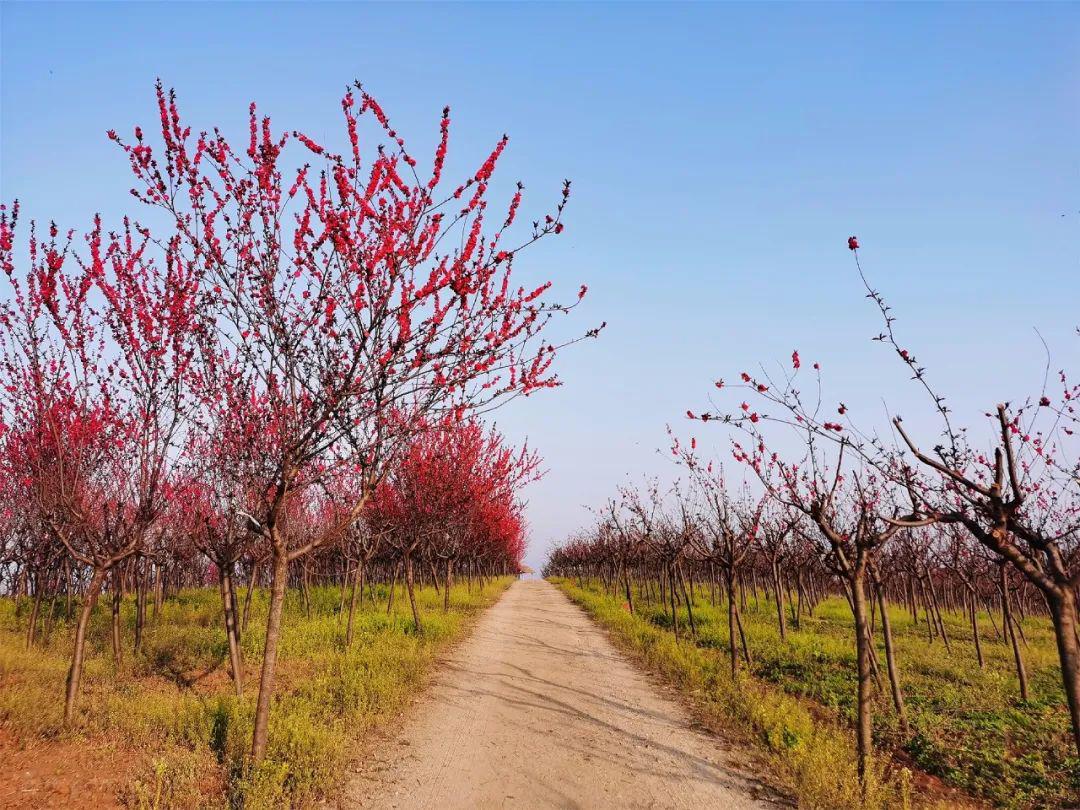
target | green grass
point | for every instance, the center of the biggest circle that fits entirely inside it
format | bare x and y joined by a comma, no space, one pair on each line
175,705
968,725
815,759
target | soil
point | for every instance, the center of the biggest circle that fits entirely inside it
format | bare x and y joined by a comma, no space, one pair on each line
67,774
537,709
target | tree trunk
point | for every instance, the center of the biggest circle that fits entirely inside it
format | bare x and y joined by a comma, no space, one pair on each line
742,637
779,602
1007,620
1063,608
247,597
278,580
228,604
357,581
674,600
409,586
159,590
234,603
800,592
890,662
50,617
69,587
862,646
732,649
304,591
931,626
20,586
117,597
74,678
140,605
446,585
688,600
975,631
629,592
31,629
938,617
345,579
393,589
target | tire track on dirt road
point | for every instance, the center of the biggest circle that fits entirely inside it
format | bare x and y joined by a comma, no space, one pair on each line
537,709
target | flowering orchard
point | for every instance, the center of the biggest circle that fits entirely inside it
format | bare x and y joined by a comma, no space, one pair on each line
942,526
276,384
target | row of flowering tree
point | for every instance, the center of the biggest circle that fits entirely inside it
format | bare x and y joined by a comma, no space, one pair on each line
452,496
824,506
260,367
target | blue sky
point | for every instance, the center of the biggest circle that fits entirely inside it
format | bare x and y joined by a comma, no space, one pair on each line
720,154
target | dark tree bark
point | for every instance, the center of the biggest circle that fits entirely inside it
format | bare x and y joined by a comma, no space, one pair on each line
74,678
278,580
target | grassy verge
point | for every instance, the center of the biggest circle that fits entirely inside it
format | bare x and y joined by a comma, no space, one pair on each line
815,759
174,702
969,726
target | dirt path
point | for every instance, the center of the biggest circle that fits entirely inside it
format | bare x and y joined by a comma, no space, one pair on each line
538,710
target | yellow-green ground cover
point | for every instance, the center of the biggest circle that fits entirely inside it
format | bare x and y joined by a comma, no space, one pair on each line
174,706
968,725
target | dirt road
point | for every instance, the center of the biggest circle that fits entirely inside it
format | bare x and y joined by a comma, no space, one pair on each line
538,710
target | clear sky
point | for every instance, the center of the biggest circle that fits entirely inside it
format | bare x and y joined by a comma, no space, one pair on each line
721,156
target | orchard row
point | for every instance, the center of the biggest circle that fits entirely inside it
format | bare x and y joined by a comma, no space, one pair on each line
818,504
274,373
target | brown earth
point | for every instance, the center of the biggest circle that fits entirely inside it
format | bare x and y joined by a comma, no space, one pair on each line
538,710
68,774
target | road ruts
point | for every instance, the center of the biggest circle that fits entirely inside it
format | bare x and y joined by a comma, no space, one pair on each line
537,709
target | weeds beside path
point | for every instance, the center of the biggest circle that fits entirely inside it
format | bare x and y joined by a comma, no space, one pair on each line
170,711
813,754
971,737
